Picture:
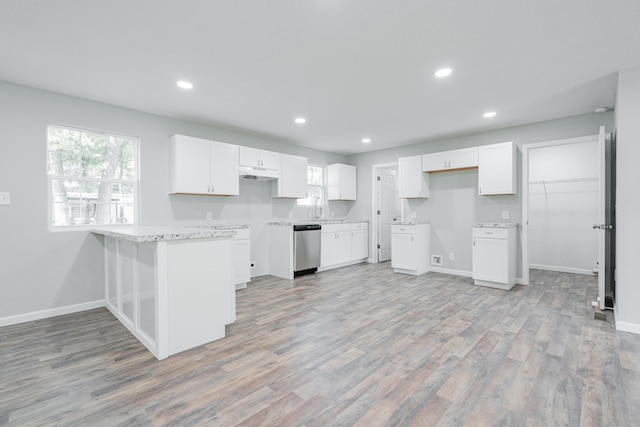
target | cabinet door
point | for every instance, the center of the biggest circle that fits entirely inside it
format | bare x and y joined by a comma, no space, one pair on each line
464,158
359,244
242,260
189,165
403,251
490,260
341,182
224,169
496,173
248,156
434,162
293,177
270,160
327,249
413,183
343,247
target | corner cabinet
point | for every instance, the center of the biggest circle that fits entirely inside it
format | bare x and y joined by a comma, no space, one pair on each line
342,182
497,169
292,183
413,183
200,166
450,160
410,248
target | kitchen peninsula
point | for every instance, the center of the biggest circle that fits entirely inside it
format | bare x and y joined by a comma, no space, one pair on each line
173,288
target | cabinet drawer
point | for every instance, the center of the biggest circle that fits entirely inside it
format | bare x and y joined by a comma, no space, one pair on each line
403,229
490,233
358,226
335,228
241,233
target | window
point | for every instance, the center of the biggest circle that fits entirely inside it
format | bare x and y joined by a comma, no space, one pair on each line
315,187
93,177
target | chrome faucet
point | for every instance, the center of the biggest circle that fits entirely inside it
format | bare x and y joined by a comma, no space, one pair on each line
317,210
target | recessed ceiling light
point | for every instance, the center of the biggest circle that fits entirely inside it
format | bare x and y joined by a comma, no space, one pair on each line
489,114
366,140
443,72
185,84
300,120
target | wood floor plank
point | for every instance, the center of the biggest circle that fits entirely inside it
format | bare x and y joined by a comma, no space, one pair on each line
358,345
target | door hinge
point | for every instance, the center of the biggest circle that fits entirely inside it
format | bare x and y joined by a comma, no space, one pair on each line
378,178
378,246
378,212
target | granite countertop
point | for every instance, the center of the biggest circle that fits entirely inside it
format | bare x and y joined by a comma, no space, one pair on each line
496,224
409,222
292,222
220,226
141,234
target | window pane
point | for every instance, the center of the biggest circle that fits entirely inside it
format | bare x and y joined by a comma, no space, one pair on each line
315,194
314,175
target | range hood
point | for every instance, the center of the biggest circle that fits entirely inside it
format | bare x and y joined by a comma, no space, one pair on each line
258,174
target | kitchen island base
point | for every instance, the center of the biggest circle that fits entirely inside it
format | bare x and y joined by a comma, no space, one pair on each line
172,295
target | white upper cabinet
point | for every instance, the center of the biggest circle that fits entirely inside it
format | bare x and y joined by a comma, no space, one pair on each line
342,182
449,160
254,158
497,169
412,182
293,177
200,166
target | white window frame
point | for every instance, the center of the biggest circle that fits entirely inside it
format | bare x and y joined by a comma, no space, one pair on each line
50,178
307,200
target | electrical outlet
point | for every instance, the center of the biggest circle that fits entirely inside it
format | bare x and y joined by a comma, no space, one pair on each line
209,216
5,199
505,214
452,256
436,259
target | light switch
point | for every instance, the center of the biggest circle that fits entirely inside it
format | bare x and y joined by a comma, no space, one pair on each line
5,199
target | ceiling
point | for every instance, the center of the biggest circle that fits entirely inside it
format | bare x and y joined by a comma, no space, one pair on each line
352,68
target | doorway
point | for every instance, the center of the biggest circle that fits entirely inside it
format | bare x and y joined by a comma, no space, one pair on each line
567,188
386,209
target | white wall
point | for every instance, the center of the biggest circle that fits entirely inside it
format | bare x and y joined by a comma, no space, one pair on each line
563,206
628,201
454,204
42,270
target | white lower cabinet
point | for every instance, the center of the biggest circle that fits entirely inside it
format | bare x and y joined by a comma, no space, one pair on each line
242,257
494,257
343,244
410,248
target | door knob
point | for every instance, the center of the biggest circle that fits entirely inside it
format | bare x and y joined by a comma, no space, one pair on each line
602,226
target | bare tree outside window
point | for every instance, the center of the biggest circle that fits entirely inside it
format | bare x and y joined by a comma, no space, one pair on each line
93,177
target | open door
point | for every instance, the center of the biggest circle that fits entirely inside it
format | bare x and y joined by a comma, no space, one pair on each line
606,219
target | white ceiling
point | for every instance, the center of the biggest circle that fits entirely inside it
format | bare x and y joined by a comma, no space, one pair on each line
353,68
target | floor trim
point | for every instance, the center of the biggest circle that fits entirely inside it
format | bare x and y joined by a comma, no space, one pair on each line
634,328
52,312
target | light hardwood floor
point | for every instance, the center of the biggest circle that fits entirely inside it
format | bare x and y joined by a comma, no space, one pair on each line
353,346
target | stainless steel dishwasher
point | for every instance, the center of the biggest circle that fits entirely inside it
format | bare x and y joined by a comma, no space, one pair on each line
306,249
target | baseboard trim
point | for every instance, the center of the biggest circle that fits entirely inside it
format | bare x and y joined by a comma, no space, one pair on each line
43,314
450,271
634,328
561,269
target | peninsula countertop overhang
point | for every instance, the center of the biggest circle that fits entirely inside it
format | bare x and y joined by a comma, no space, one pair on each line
142,234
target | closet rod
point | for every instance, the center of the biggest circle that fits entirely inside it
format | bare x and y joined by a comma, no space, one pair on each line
557,181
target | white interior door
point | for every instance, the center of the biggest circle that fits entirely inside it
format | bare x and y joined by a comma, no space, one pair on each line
386,211
601,227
